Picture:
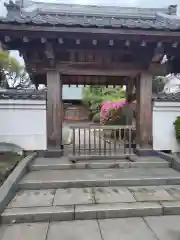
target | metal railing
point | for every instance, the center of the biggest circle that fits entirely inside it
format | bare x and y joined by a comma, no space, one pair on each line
102,140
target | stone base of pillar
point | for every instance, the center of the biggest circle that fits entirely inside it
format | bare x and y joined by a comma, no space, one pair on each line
145,152
51,153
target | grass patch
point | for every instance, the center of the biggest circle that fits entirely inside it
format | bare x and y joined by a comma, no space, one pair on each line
8,161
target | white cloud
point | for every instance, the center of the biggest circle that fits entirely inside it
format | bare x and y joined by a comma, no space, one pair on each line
127,3
15,54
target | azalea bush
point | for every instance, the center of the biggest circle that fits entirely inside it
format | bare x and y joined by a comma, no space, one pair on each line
94,96
109,108
96,118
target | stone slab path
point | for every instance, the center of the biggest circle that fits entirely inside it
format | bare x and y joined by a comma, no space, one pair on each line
99,177
124,199
149,228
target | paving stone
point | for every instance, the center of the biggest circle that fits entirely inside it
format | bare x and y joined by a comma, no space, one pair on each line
174,191
171,207
99,177
146,159
117,210
112,194
64,163
38,214
72,196
165,227
151,193
77,230
32,198
31,231
125,229
149,164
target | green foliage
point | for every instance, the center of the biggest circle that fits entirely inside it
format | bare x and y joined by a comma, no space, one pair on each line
12,74
96,118
177,128
157,84
93,96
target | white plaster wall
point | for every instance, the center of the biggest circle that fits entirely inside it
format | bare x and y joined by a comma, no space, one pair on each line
172,88
164,115
23,122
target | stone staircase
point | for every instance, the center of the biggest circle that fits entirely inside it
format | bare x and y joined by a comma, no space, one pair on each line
55,189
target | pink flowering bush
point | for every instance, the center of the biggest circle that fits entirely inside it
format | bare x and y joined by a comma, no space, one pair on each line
108,108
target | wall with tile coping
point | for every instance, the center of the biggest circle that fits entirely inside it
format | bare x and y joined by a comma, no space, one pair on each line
164,115
23,122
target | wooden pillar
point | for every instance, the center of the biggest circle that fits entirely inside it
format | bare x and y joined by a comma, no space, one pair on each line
129,87
144,111
54,110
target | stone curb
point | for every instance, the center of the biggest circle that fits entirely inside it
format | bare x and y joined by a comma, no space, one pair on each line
50,153
117,210
100,165
81,212
141,181
98,157
90,211
38,214
172,159
9,187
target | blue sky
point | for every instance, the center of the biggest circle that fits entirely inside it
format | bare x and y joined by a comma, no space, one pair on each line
124,3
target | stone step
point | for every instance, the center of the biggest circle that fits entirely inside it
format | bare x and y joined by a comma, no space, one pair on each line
97,195
89,211
150,228
81,212
63,163
75,178
92,203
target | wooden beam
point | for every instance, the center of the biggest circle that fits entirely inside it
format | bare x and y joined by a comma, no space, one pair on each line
158,52
97,69
144,110
158,69
92,69
54,109
25,39
94,42
43,40
130,87
93,80
111,42
7,39
145,33
175,45
60,41
78,41
127,43
122,69
143,44
49,51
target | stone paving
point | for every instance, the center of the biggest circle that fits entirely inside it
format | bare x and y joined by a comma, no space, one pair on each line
76,196
114,198
99,177
149,228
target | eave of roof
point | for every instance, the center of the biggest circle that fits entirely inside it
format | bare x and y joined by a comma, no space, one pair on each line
91,16
171,97
22,95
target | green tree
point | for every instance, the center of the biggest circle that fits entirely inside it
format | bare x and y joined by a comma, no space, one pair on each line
93,96
158,84
12,74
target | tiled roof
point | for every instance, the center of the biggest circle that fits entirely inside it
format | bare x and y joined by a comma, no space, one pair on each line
171,97
92,16
41,95
23,94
